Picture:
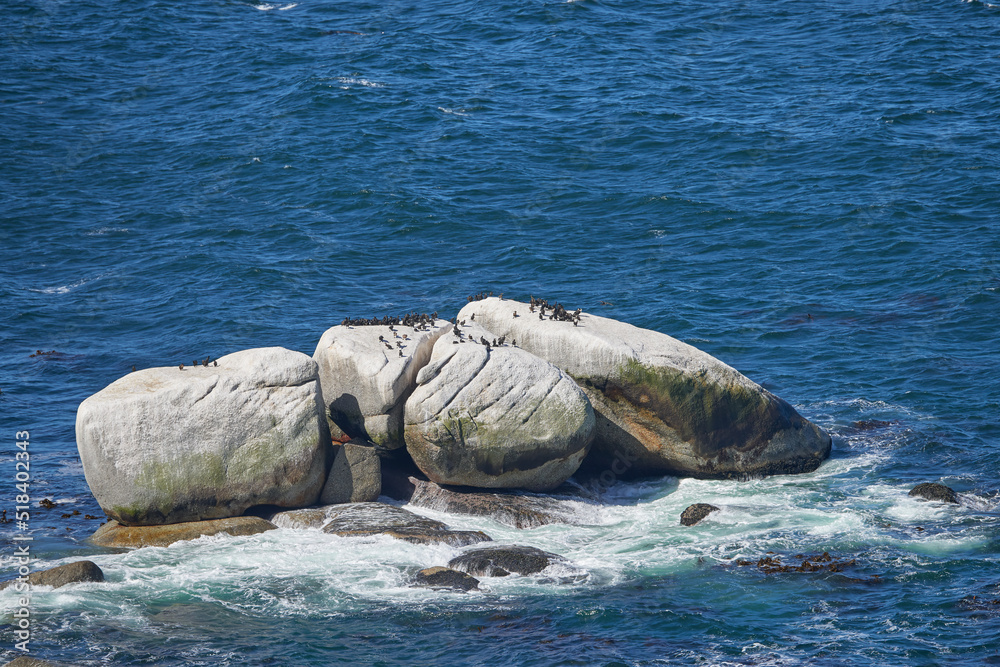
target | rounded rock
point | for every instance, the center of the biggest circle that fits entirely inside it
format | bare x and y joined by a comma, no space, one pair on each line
695,513
934,491
496,417
165,445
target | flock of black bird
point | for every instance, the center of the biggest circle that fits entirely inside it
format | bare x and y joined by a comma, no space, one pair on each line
497,342
196,362
423,322
481,296
558,313
419,321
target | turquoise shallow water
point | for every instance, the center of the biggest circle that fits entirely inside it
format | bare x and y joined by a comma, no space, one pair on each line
808,192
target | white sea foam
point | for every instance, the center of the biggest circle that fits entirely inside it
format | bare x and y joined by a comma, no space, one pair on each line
626,530
349,81
454,112
107,230
62,289
266,7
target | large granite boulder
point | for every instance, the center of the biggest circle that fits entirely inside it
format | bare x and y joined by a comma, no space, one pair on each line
367,371
495,417
662,406
113,534
168,445
356,475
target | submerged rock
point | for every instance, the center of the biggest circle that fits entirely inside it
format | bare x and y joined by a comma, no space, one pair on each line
443,577
695,513
772,564
113,534
662,406
934,491
366,380
495,417
364,519
28,661
306,517
519,511
356,474
71,573
169,445
502,561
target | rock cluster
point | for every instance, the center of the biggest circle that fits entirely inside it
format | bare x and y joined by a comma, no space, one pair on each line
507,396
822,563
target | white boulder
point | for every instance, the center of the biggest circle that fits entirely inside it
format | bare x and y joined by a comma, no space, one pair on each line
366,379
169,445
495,417
662,406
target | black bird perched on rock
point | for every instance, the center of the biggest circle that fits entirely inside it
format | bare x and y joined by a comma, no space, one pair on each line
515,313
195,363
482,339
215,363
400,353
181,366
472,318
205,363
541,316
381,338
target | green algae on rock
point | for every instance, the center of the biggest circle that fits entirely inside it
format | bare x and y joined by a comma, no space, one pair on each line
495,416
168,445
663,406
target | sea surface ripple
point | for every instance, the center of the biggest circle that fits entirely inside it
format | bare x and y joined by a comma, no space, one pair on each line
807,191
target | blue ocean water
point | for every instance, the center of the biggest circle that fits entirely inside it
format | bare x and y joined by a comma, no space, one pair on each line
807,191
